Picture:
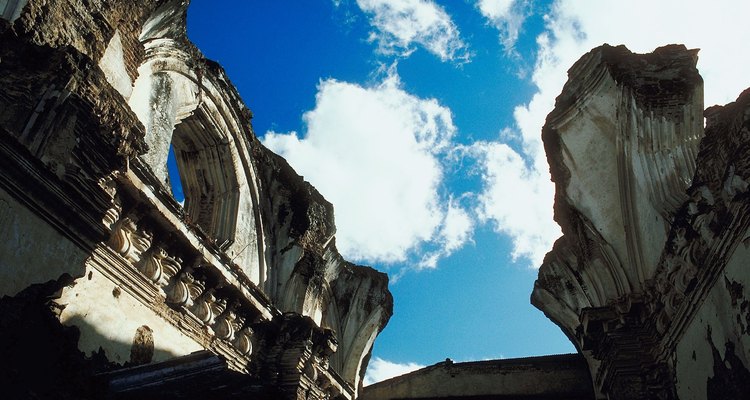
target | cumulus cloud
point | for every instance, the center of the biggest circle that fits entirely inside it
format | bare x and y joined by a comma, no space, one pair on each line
505,15
517,200
376,152
379,370
399,25
454,232
573,27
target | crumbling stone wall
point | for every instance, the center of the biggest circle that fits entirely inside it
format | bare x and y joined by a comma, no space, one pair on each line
93,94
646,280
713,355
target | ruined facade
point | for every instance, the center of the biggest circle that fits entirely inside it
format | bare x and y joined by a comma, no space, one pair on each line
109,287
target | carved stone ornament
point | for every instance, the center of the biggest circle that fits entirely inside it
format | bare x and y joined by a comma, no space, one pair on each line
225,325
129,241
179,293
170,267
112,215
243,340
207,307
151,264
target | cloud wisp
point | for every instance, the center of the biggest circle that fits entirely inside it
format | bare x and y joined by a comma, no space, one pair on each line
507,16
379,370
376,152
517,200
400,25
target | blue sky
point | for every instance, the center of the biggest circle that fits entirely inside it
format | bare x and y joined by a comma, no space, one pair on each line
420,121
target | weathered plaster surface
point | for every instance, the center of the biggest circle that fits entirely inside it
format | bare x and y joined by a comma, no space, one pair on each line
713,353
109,317
113,65
722,320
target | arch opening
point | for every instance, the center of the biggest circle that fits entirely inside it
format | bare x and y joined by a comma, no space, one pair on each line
204,176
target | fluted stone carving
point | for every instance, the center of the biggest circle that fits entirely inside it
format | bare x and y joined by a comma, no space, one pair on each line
170,266
151,264
112,215
225,325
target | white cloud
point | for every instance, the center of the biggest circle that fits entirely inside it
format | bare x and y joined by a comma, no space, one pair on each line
456,228
718,28
402,24
495,9
454,232
517,199
505,15
376,153
573,27
379,370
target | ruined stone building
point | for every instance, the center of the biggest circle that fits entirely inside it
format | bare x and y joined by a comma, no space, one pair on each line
650,280
110,288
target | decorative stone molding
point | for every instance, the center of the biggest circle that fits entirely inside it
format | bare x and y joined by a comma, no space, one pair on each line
227,323
183,290
112,216
196,298
151,263
295,353
170,267
129,241
243,339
